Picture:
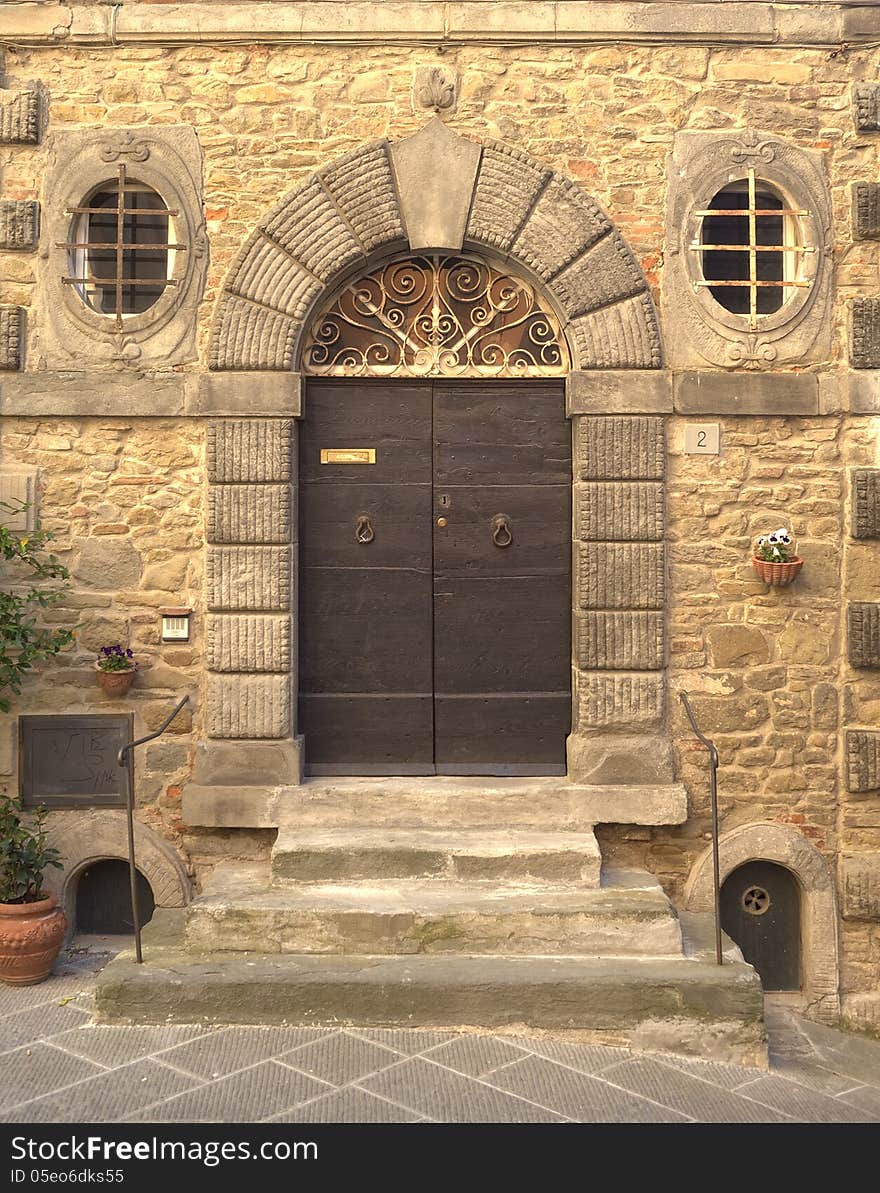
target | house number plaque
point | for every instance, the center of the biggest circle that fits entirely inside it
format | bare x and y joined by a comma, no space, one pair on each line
348,455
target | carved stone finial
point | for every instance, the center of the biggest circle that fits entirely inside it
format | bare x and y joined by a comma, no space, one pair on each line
435,87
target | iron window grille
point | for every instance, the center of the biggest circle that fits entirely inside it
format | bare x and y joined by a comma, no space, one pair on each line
120,254
769,247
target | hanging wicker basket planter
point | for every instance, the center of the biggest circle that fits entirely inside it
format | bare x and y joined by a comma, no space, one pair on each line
776,573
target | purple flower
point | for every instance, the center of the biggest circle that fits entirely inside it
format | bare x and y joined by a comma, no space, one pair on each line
130,654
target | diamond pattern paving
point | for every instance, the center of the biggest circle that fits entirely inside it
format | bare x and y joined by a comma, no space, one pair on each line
340,1058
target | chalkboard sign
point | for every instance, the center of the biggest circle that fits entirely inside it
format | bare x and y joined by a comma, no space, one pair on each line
70,761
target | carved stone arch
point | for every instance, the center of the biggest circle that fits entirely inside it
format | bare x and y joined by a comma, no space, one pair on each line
436,190
789,848
83,838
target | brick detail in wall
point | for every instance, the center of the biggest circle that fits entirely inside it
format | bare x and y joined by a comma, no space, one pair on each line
619,641
621,448
866,102
248,706
866,503
866,210
240,578
621,576
249,514
11,338
19,223
619,701
865,333
19,117
863,633
609,510
248,642
250,449
862,760
860,886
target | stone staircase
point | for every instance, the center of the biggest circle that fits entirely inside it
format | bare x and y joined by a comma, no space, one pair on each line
429,914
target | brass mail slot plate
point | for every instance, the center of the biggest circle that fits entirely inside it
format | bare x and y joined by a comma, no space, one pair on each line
348,455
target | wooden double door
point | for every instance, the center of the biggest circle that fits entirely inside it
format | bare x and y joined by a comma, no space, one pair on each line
435,578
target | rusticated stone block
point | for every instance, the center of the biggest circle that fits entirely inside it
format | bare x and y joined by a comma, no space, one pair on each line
865,333
866,503
563,223
866,210
621,700
248,577
248,642
860,886
866,101
248,706
362,187
19,117
620,510
862,760
250,449
606,273
11,338
863,624
620,641
19,223
267,275
507,185
622,336
250,336
249,513
293,225
624,447
621,576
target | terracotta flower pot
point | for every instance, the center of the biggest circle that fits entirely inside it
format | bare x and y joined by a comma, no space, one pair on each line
775,573
115,683
31,935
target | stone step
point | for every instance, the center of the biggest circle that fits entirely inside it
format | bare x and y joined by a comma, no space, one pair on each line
503,855
685,1006
240,911
435,802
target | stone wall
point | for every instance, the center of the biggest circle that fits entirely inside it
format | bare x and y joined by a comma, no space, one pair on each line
770,671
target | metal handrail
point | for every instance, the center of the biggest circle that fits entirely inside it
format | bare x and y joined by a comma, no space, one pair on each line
713,794
123,758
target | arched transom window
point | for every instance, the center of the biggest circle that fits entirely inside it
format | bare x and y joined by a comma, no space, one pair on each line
436,316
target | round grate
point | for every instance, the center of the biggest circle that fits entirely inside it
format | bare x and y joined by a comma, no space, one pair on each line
755,900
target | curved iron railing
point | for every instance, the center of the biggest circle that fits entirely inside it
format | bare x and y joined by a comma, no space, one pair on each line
123,758
713,794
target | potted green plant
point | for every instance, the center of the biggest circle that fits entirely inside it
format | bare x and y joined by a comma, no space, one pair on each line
115,669
775,559
32,925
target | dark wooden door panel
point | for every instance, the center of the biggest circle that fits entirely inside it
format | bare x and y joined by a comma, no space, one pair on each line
515,734
539,520
760,910
399,517
368,735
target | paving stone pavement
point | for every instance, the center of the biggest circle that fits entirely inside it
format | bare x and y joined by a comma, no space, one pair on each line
56,1065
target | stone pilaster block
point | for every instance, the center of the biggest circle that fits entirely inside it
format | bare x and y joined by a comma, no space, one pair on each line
866,503
866,210
865,333
19,223
249,642
863,633
866,102
249,514
620,641
19,117
11,338
620,510
624,447
249,578
860,885
242,450
607,700
862,760
621,576
248,706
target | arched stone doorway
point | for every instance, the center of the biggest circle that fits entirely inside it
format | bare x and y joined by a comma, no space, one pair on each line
436,192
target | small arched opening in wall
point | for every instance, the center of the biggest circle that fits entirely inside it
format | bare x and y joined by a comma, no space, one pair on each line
88,840
779,846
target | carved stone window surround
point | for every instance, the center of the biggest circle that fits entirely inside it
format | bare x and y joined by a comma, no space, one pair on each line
167,160
699,329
